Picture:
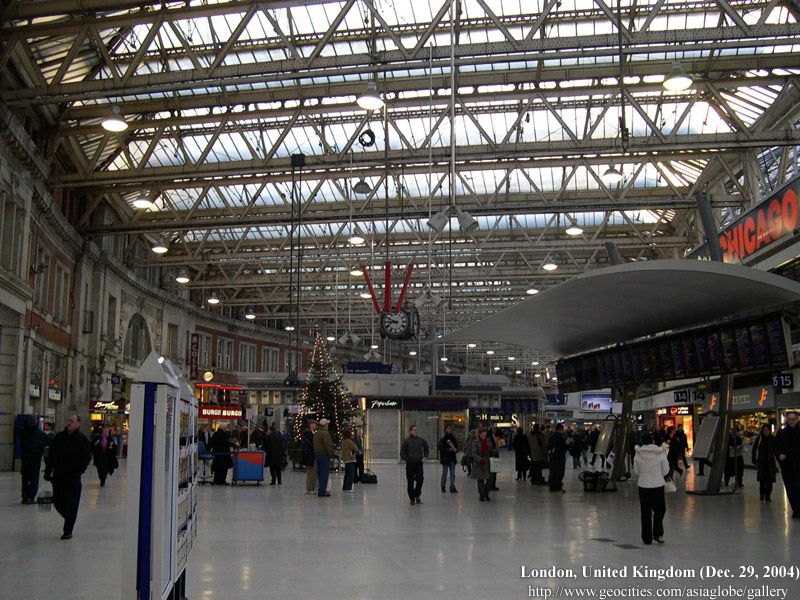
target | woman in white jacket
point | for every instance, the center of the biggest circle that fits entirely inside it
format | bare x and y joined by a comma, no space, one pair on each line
651,466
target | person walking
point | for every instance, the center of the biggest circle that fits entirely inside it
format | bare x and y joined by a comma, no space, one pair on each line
349,450
674,446
309,460
495,448
764,460
481,452
651,467
734,462
323,453
787,444
276,454
576,448
33,442
683,447
538,447
67,459
448,449
414,450
359,442
557,447
594,435
522,449
221,449
467,458
104,453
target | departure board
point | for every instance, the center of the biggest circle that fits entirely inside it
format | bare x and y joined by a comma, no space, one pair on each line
736,347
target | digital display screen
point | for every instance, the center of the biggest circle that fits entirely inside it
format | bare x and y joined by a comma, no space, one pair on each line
701,355
740,347
778,349
758,335
730,358
596,402
678,364
744,348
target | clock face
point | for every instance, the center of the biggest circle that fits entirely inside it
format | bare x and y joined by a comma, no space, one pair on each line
396,325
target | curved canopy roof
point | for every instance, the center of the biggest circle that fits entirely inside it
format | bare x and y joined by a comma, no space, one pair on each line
630,301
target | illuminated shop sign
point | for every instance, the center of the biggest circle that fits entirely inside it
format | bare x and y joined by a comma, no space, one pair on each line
194,353
213,411
768,222
674,411
372,404
108,407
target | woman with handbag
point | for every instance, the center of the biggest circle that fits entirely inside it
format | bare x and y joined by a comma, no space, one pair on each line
765,462
104,454
481,452
651,466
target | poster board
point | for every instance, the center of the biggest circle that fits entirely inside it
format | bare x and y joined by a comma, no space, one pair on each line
705,437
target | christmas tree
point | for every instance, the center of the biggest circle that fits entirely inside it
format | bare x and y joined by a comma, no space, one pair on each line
324,396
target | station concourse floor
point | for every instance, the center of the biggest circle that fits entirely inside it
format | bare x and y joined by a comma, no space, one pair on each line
278,542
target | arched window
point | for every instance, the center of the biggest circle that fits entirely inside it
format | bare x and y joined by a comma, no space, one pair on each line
137,341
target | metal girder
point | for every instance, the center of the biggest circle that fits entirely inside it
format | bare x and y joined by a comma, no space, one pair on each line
525,154
466,54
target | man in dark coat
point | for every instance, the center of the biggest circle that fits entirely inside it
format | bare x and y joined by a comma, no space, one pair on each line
309,460
413,451
221,449
33,442
276,454
557,447
67,459
448,448
787,443
521,451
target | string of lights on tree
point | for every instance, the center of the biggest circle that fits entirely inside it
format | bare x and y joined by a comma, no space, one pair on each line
324,395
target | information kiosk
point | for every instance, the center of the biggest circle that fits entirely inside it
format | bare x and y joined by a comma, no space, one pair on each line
162,468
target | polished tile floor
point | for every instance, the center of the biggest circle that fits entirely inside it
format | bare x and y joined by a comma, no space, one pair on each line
277,542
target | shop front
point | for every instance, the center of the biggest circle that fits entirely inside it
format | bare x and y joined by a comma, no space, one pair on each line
387,421
753,407
673,416
112,414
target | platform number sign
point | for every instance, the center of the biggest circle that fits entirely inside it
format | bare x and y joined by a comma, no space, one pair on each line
681,397
783,381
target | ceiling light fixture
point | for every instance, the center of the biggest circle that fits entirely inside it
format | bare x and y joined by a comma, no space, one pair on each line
518,372
472,345
531,291
412,353
182,276
549,265
466,222
365,295
114,121
537,375
362,188
443,359
143,202
535,363
490,352
331,338
370,100
512,358
213,300
160,247
355,272
497,368
289,328
611,175
356,240
677,80
249,313
374,346
574,230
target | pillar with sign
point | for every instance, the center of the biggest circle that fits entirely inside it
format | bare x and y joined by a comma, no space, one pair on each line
162,467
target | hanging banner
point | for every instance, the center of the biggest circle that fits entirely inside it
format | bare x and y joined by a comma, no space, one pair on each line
194,353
